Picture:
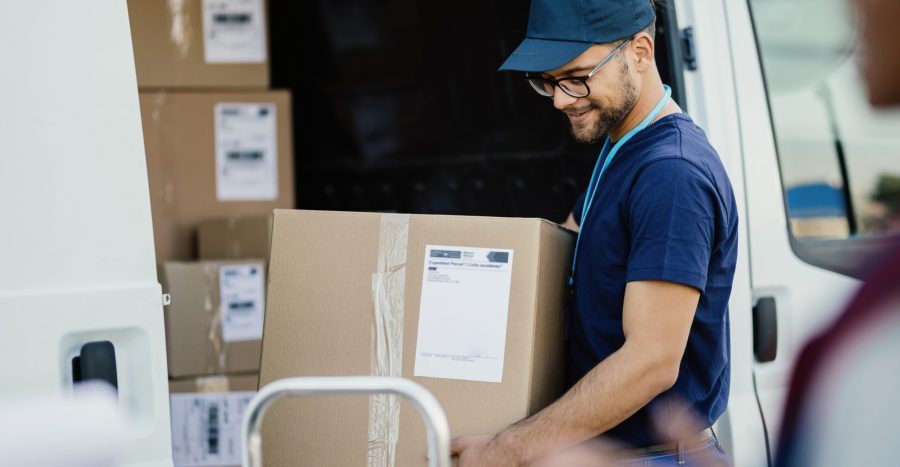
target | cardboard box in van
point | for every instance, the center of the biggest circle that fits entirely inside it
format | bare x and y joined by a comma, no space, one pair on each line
215,321
469,307
200,44
213,155
235,237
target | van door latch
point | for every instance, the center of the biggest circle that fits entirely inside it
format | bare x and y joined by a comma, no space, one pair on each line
765,330
96,361
689,48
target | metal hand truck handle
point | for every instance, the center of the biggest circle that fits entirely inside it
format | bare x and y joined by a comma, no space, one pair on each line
428,407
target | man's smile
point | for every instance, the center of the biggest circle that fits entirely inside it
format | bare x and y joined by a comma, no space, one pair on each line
578,115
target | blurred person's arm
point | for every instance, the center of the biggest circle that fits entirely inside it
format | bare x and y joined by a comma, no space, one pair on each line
657,319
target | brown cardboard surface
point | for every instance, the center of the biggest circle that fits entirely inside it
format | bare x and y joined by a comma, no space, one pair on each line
549,326
215,383
320,322
235,237
168,50
179,138
194,344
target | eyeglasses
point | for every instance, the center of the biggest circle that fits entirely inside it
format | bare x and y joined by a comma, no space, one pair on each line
575,86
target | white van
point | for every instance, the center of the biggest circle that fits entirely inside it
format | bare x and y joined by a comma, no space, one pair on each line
816,173
773,82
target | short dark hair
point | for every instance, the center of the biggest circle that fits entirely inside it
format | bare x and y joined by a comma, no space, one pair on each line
651,29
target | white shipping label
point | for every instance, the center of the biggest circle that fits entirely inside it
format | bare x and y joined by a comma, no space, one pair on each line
242,295
234,31
206,428
463,314
246,152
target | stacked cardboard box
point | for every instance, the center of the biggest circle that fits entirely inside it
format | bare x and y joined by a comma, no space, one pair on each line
471,308
213,337
200,44
211,156
215,321
218,145
218,140
235,237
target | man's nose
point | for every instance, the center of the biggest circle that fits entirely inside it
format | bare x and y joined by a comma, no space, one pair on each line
561,100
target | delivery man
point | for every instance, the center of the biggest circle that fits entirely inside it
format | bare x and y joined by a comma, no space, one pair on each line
656,250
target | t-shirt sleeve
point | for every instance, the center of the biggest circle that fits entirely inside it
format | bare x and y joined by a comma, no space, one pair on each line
576,211
672,210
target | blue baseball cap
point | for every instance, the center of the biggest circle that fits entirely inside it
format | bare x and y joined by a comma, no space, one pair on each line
560,30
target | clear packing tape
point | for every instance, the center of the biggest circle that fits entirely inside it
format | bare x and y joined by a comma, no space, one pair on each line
388,296
215,357
181,33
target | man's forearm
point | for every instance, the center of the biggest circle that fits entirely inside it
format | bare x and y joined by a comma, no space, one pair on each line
610,393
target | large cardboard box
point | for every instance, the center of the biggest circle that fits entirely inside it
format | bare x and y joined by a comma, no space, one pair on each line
235,237
206,414
214,155
215,320
471,308
194,44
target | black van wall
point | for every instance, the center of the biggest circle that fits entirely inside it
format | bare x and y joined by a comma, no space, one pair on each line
398,107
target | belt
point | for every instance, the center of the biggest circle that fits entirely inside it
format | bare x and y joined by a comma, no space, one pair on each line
674,447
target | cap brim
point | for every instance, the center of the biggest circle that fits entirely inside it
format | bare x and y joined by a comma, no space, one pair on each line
540,55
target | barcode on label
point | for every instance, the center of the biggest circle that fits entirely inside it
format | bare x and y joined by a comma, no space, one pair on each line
212,429
242,306
232,18
245,156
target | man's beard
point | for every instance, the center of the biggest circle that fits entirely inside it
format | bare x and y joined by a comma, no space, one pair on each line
608,117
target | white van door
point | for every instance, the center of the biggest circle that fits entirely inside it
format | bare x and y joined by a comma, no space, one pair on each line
822,176
79,299
710,99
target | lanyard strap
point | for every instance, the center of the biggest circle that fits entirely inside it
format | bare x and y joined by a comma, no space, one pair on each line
599,169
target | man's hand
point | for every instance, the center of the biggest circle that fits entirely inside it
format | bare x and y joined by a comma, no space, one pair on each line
480,451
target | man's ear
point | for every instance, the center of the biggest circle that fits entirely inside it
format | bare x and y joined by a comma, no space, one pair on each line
644,50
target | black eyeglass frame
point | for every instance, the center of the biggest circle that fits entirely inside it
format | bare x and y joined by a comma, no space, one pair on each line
582,79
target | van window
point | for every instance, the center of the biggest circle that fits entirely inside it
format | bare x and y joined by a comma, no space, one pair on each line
839,158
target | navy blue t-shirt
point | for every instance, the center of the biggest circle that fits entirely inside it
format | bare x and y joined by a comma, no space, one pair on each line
664,210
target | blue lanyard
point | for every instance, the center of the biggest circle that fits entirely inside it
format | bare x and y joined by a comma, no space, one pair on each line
598,174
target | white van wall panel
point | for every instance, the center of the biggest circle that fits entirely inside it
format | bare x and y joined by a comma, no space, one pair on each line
712,103
76,248
75,199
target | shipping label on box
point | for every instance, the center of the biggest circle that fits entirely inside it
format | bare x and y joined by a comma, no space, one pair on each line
463,313
242,291
206,428
234,31
246,152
